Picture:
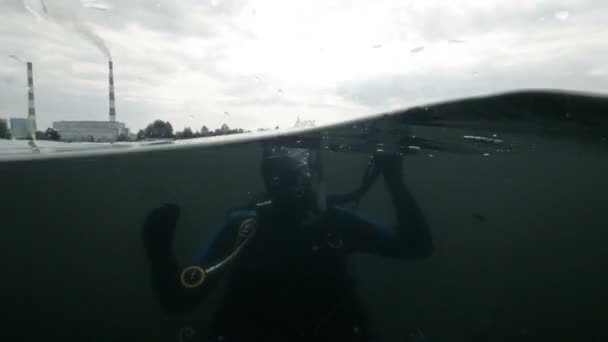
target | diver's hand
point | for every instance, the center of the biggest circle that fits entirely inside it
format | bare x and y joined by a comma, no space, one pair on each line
390,165
159,230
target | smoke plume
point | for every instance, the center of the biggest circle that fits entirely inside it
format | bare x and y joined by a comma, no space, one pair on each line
94,38
66,14
15,57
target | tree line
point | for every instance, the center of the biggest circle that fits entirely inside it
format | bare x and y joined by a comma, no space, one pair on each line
49,134
156,130
164,130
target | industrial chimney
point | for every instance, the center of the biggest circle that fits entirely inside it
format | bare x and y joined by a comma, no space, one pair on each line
112,101
31,108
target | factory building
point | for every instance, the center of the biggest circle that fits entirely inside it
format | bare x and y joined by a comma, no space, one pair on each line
90,130
20,128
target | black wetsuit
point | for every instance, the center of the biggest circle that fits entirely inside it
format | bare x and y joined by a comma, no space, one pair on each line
291,283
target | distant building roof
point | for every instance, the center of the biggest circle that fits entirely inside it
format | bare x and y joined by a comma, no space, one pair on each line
88,122
20,127
90,130
304,123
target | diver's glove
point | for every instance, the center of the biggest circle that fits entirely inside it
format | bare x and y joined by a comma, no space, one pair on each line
159,231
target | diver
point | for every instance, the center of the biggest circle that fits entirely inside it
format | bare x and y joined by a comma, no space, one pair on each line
282,262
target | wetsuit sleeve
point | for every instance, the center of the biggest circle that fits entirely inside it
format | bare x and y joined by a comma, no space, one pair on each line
222,239
409,239
165,273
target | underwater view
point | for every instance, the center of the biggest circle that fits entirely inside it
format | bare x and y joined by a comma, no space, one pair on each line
480,219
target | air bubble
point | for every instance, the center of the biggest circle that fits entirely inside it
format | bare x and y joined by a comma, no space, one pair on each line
482,139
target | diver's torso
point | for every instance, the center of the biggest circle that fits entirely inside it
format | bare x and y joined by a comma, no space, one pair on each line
293,280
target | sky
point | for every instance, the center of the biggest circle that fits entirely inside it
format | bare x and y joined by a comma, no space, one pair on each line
254,64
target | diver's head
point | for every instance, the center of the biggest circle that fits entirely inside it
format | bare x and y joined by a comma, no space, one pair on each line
292,177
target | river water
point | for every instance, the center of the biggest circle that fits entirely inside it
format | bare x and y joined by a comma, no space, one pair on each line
513,188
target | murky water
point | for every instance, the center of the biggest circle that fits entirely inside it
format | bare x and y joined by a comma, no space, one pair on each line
513,190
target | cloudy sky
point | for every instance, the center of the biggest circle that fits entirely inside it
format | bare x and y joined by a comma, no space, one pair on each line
264,63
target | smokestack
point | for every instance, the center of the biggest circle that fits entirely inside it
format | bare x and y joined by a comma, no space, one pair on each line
112,101
31,108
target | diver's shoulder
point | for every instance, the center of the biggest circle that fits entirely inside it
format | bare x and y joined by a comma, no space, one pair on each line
340,213
348,215
341,210
241,214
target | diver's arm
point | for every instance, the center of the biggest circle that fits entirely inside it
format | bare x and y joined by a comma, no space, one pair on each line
165,271
412,230
369,178
409,239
